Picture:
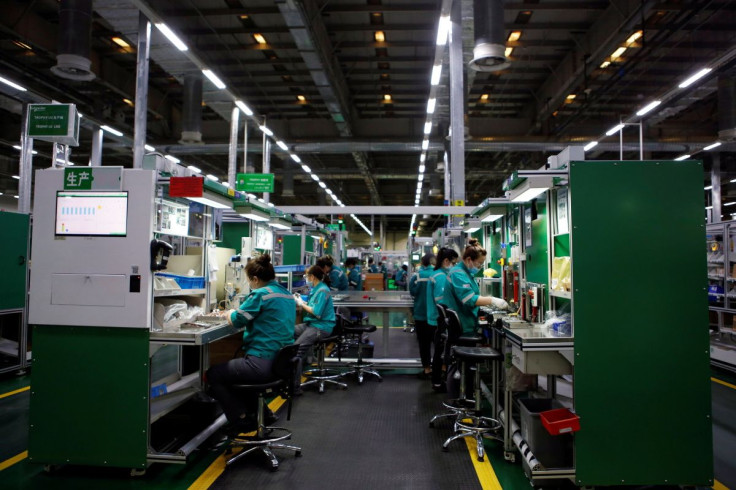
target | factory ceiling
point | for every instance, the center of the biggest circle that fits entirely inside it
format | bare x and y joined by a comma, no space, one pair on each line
345,84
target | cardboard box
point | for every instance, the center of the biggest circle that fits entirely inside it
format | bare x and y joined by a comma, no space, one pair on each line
373,282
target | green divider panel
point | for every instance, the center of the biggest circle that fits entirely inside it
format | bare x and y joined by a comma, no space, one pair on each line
13,260
292,249
642,387
232,233
562,245
89,396
536,263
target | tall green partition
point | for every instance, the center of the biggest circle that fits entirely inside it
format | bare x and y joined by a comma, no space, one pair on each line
13,260
292,249
536,253
640,315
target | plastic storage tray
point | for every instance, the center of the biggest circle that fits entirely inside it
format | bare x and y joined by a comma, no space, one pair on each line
185,282
551,451
560,421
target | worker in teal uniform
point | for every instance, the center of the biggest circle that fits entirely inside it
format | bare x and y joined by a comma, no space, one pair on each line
400,277
372,267
446,258
268,314
383,270
355,280
462,293
338,281
319,312
425,333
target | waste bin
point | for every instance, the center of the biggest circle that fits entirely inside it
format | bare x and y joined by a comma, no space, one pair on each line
550,451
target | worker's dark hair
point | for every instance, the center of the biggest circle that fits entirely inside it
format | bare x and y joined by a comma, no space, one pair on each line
370,260
427,259
473,251
327,260
405,267
351,261
261,268
317,272
444,253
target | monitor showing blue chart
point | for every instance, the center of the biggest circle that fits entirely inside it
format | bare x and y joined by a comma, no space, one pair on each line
92,213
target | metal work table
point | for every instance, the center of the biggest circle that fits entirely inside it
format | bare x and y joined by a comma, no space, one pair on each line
194,336
385,301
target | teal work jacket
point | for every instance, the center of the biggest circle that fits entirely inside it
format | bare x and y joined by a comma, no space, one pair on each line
355,280
435,293
268,315
418,290
338,279
461,294
323,316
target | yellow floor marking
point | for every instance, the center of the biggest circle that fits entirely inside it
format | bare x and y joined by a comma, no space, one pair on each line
484,469
10,462
719,486
218,466
15,392
733,387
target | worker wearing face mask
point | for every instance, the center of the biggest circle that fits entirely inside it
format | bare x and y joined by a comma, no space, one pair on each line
425,333
462,293
338,280
355,281
319,313
446,258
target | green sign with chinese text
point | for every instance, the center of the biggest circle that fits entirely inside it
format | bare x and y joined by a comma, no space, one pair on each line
57,123
254,183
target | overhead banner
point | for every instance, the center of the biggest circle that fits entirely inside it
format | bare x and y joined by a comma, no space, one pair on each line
186,186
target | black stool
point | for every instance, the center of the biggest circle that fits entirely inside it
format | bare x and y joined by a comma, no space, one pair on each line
322,375
268,438
472,423
359,367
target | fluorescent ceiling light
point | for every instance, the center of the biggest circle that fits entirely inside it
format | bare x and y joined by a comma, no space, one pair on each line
120,42
323,185
617,53
13,84
507,52
427,127
149,148
296,158
282,145
648,107
253,213
443,30
729,203
111,130
472,225
279,223
682,157
605,64
259,38
194,169
732,180
213,200
695,78
172,159
590,145
422,157
714,145
431,103
514,36
436,74
271,205
634,37
421,169
492,214
226,184
17,147
173,38
530,188
243,107
16,177
425,144
421,177
213,178
615,129
708,188
709,207
265,130
306,169
16,197
342,205
214,79
314,177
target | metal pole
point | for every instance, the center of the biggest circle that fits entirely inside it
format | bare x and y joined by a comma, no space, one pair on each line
232,157
304,245
621,143
266,159
245,145
641,141
141,90
26,168
457,107
715,192
95,158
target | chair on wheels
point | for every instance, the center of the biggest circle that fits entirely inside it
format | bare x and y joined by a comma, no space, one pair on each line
322,375
359,368
268,438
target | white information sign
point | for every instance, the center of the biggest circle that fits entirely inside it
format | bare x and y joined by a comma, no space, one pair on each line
562,219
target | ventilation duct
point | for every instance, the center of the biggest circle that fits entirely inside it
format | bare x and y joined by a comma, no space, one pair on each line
75,22
727,108
489,52
191,124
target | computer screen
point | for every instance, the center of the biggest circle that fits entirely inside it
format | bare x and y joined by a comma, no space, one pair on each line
92,213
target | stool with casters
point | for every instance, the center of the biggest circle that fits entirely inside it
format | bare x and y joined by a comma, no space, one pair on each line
360,367
268,438
321,375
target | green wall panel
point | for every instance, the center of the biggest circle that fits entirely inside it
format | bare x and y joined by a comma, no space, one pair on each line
562,245
292,249
232,234
13,260
642,386
89,396
536,263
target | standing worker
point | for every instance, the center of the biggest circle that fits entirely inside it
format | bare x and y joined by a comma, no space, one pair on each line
401,277
319,318
355,281
446,258
338,279
268,315
383,270
372,267
425,333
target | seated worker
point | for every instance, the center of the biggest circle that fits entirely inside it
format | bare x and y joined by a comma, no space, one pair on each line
400,277
372,267
461,291
355,280
319,317
268,314
337,279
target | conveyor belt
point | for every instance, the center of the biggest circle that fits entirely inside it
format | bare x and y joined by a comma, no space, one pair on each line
374,436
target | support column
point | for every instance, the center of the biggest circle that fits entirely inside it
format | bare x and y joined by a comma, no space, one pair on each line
246,169
25,172
141,90
457,108
232,157
95,157
266,162
715,181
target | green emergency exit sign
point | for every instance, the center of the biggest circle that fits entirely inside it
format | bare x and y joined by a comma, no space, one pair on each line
254,183
57,123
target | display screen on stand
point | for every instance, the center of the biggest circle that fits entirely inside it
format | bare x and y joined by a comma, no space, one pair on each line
91,213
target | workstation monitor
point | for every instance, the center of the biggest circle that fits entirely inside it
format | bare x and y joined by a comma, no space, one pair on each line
92,213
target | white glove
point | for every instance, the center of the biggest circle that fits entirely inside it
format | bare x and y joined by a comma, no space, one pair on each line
500,304
298,299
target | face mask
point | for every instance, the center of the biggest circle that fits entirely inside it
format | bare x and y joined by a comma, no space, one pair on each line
473,270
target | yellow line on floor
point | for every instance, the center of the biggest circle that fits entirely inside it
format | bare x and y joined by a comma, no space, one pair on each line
15,392
214,470
719,486
484,469
10,462
733,387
